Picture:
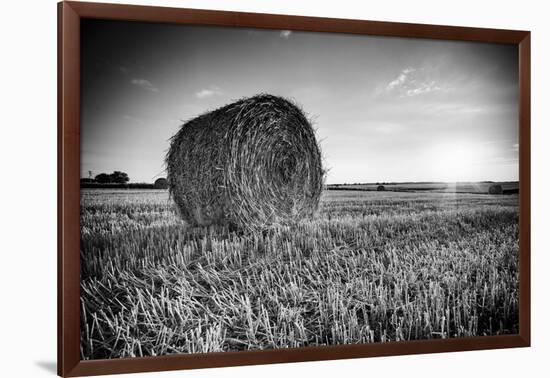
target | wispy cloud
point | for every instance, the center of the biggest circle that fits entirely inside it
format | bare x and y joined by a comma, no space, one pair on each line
412,82
385,128
144,84
455,108
285,34
400,80
132,119
208,92
421,88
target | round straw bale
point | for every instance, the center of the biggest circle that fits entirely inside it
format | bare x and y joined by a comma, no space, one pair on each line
380,188
495,189
161,183
250,164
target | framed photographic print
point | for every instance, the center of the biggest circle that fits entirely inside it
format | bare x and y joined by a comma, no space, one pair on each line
239,188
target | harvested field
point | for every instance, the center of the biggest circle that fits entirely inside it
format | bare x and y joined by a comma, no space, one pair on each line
372,267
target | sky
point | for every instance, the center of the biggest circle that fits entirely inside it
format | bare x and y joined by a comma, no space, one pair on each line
385,109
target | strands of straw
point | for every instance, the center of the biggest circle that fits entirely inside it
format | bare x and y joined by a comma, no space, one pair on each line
251,164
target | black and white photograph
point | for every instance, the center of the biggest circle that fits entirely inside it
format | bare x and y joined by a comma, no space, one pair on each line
251,189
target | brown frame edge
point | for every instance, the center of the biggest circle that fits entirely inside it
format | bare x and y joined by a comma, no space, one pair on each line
68,222
69,15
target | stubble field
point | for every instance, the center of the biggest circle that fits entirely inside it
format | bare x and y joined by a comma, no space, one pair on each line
371,267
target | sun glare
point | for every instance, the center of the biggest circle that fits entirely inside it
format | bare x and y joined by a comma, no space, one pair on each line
455,161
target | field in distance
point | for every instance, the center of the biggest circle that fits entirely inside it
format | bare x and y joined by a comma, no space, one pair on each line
509,187
370,267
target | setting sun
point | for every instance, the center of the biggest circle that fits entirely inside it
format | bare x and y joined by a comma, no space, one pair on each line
458,161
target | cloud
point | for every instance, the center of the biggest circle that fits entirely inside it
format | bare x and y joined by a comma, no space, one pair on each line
208,92
132,119
386,128
401,79
285,34
423,88
145,84
412,82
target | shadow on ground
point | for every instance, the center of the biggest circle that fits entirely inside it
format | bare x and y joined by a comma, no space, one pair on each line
49,366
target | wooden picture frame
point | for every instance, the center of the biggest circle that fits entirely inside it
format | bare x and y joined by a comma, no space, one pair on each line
69,16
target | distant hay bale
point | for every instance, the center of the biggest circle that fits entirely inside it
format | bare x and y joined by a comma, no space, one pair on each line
380,188
250,164
161,183
495,189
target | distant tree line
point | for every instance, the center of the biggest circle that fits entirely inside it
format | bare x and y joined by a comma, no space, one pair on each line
117,177
120,180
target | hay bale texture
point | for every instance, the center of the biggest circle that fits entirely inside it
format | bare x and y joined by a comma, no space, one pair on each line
250,164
